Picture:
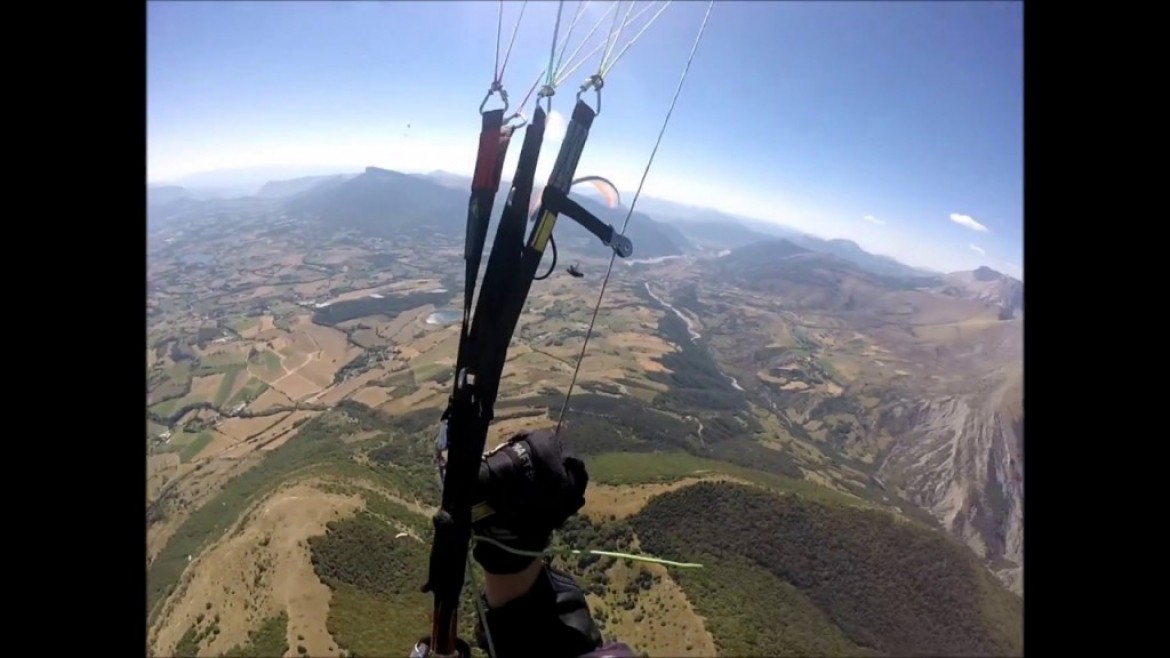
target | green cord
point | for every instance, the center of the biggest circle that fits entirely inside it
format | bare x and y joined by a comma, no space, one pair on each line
574,551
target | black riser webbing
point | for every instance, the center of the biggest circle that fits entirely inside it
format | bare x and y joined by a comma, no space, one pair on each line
504,266
485,184
502,326
558,202
468,413
483,352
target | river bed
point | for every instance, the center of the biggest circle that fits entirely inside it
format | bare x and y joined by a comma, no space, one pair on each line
695,335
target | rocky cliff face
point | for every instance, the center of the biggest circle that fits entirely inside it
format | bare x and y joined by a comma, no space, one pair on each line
952,405
961,458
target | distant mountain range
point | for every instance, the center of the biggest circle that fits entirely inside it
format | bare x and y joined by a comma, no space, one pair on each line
287,188
841,275
989,286
247,181
380,199
160,195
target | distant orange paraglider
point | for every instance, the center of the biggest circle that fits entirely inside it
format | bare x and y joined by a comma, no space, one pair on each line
607,189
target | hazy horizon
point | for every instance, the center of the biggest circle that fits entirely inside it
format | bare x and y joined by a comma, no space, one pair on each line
895,125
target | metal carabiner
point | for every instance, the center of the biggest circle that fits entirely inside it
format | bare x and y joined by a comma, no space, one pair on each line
496,86
547,91
596,82
517,126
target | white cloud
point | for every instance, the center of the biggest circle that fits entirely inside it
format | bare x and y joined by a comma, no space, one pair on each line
1012,267
977,249
967,221
554,134
875,220
554,127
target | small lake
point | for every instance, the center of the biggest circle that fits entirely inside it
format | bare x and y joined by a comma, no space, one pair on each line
445,316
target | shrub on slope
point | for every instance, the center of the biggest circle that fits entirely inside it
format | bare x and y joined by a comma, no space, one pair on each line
888,586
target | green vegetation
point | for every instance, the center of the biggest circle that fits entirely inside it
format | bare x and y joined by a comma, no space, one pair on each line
153,429
205,335
752,612
271,639
420,422
428,371
189,451
268,361
687,297
624,468
747,453
581,533
188,645
602,387
225,385
357,365
596,573
412,457
640,468
695,380
651,427
165,410
368,625
168,383
217,363
245,324
376,608
598,424
251,390
316,448
403,378
389,510
804,345
264,642
176,408
891,587
315,444
362,552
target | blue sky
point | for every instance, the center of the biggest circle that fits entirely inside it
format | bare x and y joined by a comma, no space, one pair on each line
895,124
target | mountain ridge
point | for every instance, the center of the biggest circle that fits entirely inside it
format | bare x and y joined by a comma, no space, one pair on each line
952,407
681,228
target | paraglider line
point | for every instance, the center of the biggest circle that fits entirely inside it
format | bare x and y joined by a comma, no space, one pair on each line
552,55
511,42
479,608
615,35
582,44
569,34
499,31
633,203
575,551
609,67
535,84
562,76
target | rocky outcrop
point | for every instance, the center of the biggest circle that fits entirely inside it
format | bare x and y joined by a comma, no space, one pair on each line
960,457
990,287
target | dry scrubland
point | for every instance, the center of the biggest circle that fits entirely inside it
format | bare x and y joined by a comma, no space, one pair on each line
293,393
228,393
